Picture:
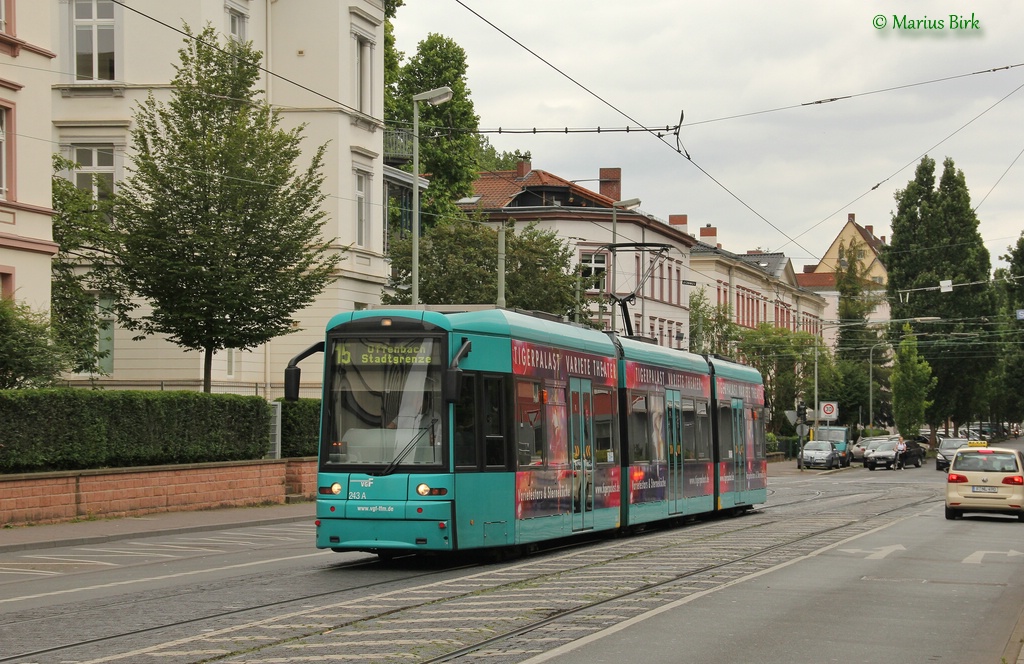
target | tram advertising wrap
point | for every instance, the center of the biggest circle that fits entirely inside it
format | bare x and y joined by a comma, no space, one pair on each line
444,432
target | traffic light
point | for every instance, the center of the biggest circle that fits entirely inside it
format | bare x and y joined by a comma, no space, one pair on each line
801,412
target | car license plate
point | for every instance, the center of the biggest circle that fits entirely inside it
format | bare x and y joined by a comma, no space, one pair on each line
984,489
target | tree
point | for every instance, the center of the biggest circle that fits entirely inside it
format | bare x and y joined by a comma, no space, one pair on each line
489,159
29,356
459,265
935,238
777,353
448,139
214,229
858,297
912,381
80,226
712,329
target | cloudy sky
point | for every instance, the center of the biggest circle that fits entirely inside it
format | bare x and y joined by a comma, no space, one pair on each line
769,168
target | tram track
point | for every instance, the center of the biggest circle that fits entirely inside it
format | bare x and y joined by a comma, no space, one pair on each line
503,612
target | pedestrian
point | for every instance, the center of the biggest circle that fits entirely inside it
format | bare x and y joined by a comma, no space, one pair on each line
901,449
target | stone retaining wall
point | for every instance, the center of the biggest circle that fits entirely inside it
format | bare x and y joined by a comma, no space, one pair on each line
119,492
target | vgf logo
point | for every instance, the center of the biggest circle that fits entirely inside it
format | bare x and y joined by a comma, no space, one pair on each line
366,484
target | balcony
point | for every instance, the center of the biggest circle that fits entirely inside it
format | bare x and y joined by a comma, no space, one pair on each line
397,146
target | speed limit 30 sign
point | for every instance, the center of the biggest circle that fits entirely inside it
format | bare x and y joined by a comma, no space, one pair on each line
829,410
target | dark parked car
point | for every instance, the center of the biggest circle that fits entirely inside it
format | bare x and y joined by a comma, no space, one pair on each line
865,445
884,456
946,450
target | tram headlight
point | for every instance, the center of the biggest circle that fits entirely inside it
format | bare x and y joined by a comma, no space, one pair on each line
336,489
423,490
426,490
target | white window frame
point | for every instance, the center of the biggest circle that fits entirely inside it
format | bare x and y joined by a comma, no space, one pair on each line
363,187
95,26
363,46
237,18
99,152
4,147
588,260
105,336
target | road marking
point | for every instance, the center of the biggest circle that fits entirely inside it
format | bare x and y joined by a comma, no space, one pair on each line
161,578
976,557
879,553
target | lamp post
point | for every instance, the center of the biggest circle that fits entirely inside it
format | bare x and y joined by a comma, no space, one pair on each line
432,97
628,204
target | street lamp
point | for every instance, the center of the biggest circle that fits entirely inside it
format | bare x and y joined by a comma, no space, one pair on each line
628,204
432,97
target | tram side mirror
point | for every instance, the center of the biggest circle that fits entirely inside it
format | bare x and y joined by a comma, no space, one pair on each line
292,376
452,384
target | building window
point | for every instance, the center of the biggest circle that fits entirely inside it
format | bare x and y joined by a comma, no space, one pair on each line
363,74
105,343
362,207
96,169
3,16
593,268
94,40
6,154
238,23
229,360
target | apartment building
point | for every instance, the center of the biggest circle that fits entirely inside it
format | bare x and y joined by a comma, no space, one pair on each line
323,67
26,237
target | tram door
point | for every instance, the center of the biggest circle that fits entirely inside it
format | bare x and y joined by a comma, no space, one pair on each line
581,433
739,450
674,424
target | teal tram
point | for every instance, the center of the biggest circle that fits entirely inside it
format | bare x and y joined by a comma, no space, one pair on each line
445,432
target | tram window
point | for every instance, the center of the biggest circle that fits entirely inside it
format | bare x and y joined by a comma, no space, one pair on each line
703,432
688,416
656,430
725,433
638,425
558,425
491,412
465,424
604,430
530,448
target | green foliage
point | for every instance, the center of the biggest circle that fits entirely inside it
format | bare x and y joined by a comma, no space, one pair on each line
80,226
858,297
459,265
912,381
489,159
29,355
72,429
712,329
215,229
777,353
300,428
935,237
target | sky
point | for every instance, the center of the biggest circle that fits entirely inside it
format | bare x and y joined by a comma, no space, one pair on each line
768,167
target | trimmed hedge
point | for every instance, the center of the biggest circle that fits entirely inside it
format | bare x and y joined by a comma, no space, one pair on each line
75,429
300,428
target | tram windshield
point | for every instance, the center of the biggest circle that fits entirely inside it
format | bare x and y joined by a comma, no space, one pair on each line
384,405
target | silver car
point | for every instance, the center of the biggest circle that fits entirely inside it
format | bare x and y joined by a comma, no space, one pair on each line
820,453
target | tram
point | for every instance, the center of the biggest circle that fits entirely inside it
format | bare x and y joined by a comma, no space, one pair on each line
445,432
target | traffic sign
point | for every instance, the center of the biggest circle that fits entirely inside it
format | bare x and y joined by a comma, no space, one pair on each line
802,429
829,410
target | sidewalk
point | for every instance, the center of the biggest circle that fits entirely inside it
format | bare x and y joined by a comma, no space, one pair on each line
95,531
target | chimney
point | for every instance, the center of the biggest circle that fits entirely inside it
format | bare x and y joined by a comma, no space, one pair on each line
611,183
709,235
678,220
809,269
871,230
851,217
523,167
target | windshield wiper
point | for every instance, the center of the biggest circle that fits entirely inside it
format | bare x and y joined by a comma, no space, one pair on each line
390,468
